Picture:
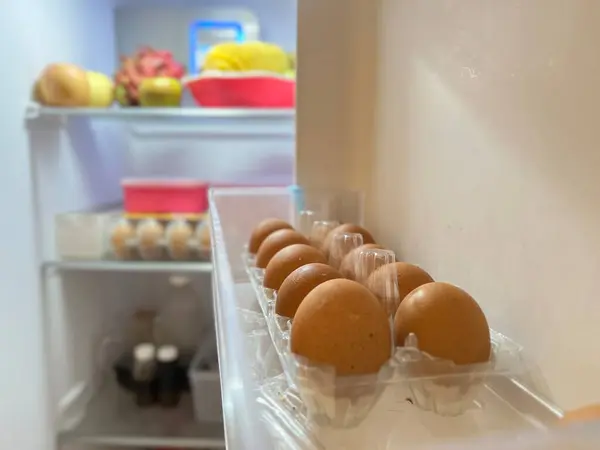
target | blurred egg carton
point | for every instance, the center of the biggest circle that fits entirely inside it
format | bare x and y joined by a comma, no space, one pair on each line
111,235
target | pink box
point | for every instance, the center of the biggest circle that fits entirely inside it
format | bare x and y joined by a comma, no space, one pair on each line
165,196
242,90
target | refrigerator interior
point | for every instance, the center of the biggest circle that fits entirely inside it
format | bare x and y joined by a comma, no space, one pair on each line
478,153
77,162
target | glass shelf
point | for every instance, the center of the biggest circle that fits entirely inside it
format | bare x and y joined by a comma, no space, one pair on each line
35,111
130,266
112,419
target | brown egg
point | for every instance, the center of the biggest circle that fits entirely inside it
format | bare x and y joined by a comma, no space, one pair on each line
447,322
299,283
587,413
348,266
275,242
150,234
288,259
203,235
179,234
341,324
347,228
121,235
408,277
264,229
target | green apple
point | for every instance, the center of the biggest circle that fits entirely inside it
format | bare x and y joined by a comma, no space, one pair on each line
160,92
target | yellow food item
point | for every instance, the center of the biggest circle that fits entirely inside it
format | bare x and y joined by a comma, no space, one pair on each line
64,85
160,92
292,61
102,90
245,56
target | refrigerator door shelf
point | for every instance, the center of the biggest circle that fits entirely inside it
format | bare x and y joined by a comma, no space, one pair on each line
247,361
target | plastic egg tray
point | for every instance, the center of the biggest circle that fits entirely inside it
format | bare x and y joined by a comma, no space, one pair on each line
345,401
159,240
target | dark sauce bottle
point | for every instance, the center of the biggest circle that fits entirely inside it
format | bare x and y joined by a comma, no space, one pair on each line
144,370
168,376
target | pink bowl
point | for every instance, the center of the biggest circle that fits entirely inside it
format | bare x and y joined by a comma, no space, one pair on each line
215,89
165,196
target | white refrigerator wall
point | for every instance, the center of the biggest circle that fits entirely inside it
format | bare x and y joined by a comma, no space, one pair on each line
76,31
161,22
479,151
486,168
250,150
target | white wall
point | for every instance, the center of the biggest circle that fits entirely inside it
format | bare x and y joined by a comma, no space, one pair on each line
40,31
486,172
479,152
165,24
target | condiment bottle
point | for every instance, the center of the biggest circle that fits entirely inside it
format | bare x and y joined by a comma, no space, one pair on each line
168,376
144,368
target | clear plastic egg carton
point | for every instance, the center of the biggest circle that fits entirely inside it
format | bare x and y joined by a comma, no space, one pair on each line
410,375
158,240
433,385
307,407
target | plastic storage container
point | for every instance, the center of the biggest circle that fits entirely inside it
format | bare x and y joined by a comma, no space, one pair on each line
505,397
215,89
165,196
82,235
205,384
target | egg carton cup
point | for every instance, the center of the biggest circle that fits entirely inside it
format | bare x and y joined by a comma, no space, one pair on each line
435,385
161,248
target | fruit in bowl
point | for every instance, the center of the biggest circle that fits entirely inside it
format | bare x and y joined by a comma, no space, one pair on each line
246,56
146,63
160,92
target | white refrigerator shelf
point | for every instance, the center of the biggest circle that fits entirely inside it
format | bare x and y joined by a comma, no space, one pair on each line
129,266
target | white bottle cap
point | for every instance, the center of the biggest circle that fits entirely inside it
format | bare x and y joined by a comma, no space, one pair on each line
167,353
144,352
